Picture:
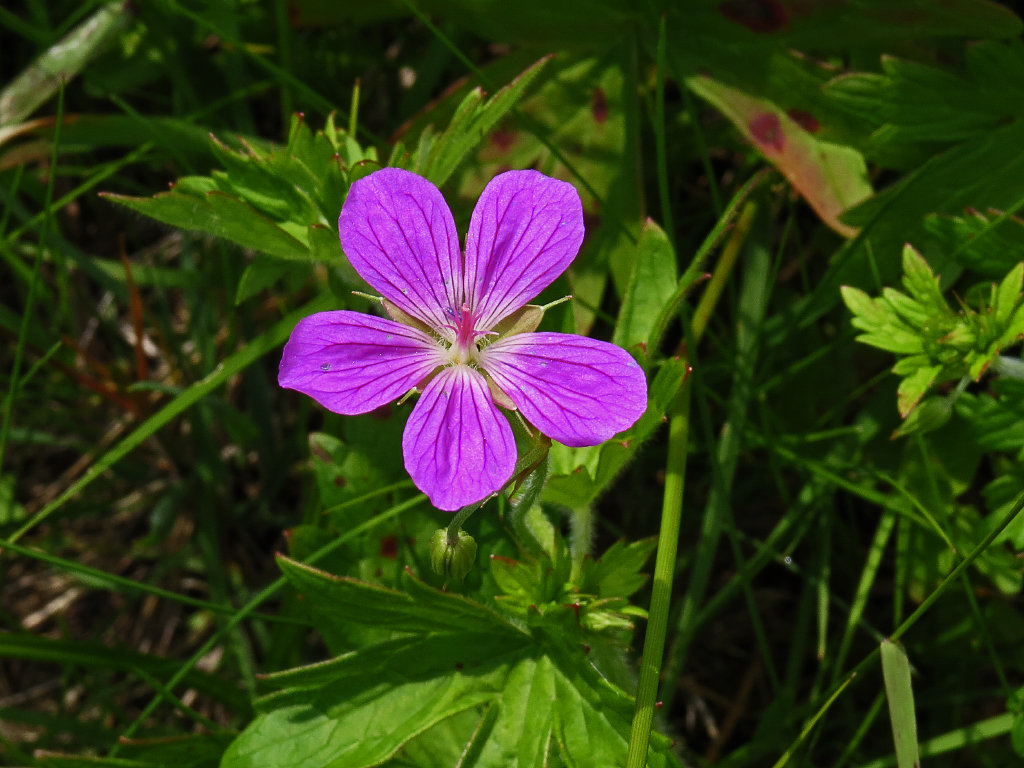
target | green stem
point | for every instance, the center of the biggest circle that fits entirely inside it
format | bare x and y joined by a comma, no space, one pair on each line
456,524
723,269
661,591
672,504
659,137
692,275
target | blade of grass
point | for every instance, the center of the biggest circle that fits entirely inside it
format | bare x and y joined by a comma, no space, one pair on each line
26,317
967,736
668,223
112,582
862,730
693,271
91,655
668,535
51,71
813,721
728,448
952,576
867,580
900,694
230,366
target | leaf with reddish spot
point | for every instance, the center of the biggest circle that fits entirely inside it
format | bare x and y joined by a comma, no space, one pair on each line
830,177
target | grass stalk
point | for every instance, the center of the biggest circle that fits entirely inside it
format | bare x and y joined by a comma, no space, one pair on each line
26,317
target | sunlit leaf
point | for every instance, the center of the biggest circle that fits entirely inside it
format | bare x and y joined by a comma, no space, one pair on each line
831,177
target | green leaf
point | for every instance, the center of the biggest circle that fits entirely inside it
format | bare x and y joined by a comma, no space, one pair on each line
931,414
363,719
996,417
512,697
219,215
868,311
981,173
894,338
1007,297
651,285
260,274
518,580
913,387
428,654
904,306
988,243
918,102
896,672
473,120
61,62
921,282
342,600
830,177
250,177
617,573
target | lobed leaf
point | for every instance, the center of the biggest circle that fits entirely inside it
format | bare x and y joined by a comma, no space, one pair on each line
473,120
343,599
921,282
220,215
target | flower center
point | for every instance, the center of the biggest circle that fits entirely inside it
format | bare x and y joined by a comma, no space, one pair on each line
464,349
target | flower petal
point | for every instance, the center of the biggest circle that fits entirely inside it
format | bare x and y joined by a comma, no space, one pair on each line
458,447
352,363
575,390
525,230
399,235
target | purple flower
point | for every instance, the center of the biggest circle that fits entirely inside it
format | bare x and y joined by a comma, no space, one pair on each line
462,331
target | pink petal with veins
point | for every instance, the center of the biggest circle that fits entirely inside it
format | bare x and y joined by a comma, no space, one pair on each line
525,230
399,235
575,390
353,363
458,447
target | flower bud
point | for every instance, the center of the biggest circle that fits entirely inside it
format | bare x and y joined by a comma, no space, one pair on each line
448,559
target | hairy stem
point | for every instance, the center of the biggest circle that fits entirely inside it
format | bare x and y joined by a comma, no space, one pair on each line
664,570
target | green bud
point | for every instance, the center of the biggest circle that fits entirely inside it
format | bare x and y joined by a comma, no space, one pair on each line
452,559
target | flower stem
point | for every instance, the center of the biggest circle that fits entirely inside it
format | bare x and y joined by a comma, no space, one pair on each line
460,517
672,504
661,591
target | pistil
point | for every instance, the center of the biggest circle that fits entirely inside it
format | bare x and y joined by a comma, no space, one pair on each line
464,348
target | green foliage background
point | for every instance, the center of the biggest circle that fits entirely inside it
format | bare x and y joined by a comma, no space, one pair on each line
802,221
